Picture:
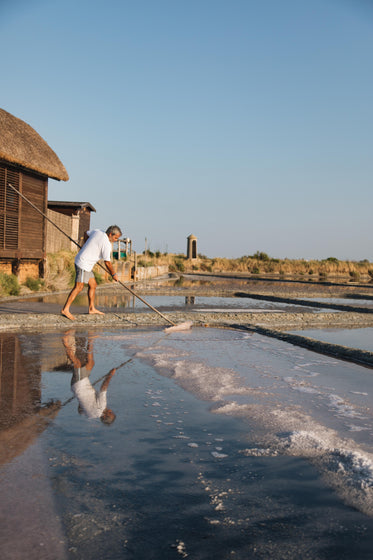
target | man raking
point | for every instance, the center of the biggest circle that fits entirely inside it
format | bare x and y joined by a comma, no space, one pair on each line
97,246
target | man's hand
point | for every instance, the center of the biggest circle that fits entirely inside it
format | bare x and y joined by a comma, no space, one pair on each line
107,378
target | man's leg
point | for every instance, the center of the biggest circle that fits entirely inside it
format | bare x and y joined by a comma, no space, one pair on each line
74,292
92,285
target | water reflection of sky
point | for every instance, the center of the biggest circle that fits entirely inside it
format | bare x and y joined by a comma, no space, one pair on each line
122,300
352,338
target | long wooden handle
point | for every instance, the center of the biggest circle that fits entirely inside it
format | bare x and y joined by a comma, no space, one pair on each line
99,264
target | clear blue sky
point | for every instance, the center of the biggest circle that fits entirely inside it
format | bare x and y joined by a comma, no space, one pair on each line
248,123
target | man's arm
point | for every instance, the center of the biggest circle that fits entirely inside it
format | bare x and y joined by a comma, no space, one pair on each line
111,270
107,379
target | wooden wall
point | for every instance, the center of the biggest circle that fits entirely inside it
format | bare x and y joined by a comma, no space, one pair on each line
22,228
56,241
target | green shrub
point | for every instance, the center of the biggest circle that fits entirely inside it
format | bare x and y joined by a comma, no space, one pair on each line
98,277
144,264
9,285
255,270
180,265
354,275
261,256
70,269
34,284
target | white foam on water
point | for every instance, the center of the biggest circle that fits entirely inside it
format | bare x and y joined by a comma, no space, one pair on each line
181,548
218,455
343,408
301,385
354,428
281,426
345,466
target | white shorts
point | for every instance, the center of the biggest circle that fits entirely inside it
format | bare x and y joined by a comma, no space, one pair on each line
83,275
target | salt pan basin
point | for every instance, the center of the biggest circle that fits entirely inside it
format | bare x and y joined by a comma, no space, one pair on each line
225,444
361,338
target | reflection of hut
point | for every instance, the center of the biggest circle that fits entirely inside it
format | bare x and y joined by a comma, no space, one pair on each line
192,247
74,218
22,416
26,162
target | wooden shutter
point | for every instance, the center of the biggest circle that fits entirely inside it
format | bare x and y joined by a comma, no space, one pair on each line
9,209
32,223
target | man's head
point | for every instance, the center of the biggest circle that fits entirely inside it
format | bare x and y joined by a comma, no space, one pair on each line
113,233
108,416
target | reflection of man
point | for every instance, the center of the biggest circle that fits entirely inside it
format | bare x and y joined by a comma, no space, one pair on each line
92,403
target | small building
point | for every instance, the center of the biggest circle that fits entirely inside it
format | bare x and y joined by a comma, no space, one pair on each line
74,218
26,162
192,247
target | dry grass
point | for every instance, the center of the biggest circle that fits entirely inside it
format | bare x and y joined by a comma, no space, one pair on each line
59,273
60,267
260,263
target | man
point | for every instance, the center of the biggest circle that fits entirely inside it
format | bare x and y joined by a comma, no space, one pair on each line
92,404
97,246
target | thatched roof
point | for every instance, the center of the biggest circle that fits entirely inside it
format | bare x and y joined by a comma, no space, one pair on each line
21,145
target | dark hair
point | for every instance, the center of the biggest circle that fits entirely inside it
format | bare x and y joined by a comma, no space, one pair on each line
108,417
115,230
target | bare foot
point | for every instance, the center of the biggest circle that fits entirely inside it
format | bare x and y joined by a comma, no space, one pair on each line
95,312
68,315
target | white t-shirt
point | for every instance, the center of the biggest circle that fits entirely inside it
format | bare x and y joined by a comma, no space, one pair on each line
92,403
95,248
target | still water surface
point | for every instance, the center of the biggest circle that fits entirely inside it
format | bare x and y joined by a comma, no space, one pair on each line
224,444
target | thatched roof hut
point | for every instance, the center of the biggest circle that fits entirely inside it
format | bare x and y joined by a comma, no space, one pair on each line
21,145
26,163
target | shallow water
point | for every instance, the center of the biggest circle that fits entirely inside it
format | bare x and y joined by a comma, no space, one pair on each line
122,301
361,338
354,302
224,445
